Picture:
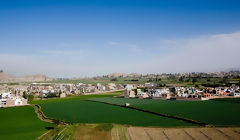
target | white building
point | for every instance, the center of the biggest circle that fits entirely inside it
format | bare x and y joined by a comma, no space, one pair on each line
148,84
8,99
129,93
141,94
101,87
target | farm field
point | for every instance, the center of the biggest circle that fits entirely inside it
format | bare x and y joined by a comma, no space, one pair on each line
210,112
231,100
71,98
82,111
21,123
87,131
123,132
143,133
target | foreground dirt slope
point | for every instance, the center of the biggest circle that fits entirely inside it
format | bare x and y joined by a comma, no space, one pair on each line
141,133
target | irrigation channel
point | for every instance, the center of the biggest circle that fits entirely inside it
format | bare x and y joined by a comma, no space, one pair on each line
42,117
158,114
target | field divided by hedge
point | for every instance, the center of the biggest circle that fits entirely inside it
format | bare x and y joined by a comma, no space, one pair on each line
82,111
210,112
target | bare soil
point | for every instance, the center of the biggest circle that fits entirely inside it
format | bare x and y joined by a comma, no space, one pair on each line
143,133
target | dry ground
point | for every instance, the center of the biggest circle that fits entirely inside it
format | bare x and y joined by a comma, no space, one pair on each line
143,133
122,132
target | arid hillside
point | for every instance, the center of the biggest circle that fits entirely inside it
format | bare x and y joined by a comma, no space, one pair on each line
30,78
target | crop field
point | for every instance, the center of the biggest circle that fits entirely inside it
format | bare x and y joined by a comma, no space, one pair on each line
72,98
210,112
214,133
82,111
21,123
231,100
87,132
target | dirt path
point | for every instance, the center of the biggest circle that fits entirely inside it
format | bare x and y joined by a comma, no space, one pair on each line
143,133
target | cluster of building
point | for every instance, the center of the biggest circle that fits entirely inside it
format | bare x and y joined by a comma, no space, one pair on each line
7,100
58,90
13,95
181,92
231,73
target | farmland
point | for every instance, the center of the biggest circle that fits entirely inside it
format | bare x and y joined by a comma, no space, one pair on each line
138,133
21,123
82,111
210,112
230,100
84,132
88,118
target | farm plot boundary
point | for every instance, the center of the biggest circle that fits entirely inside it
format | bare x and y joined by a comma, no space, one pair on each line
156,113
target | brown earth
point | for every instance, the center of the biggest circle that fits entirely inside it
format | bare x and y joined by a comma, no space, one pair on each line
89,132
30,78
141,133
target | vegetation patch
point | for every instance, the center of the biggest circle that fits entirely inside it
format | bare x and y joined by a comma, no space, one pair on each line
81,111
230,100
210,112
104,127
21,123
72,98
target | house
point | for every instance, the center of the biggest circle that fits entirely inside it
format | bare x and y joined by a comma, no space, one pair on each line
235,94
44,93
129,93
62,95
148,84
8,100
155,92
128,86
111,86
142,95
101,87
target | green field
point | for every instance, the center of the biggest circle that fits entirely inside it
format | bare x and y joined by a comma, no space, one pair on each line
81,111
72,98
21,123
230,100
210,112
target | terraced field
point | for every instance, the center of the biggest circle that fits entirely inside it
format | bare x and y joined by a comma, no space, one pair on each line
21,123
210,112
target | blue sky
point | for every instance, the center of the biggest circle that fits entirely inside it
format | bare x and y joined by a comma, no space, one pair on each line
64,38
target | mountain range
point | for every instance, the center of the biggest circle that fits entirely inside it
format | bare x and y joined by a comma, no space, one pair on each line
29,78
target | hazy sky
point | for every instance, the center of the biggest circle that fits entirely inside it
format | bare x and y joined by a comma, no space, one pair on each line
64,38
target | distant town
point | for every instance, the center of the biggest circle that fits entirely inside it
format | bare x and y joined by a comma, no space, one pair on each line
185,86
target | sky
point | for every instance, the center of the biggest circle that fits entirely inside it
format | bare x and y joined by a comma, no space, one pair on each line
68,38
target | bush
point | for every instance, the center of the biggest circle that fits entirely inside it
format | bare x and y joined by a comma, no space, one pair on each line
114,79
30,98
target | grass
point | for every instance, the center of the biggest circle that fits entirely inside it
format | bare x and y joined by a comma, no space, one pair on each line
60,132
210,112
21,123
81,111
72,98
230,100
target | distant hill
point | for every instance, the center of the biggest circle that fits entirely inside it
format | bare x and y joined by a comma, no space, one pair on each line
232,69
30,78
124,75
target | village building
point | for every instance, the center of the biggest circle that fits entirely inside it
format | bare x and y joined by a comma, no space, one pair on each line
63,95
9,100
